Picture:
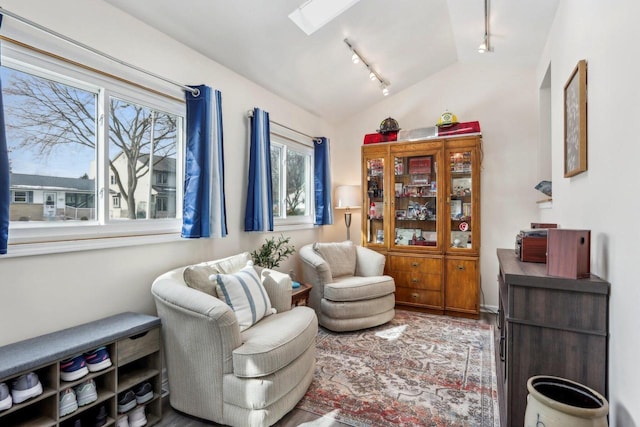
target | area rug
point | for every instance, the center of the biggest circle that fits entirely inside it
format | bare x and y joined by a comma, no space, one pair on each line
417,370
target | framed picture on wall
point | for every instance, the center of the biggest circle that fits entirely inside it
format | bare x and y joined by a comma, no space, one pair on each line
575,121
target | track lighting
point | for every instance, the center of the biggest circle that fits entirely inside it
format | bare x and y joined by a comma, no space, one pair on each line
373,74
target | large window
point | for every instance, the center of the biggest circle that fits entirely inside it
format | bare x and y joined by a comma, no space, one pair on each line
92,153
292,175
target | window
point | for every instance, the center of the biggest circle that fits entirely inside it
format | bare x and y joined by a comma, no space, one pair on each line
96,151
162,178
292,175
22,197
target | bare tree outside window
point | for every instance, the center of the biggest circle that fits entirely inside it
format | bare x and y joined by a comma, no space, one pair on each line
55,125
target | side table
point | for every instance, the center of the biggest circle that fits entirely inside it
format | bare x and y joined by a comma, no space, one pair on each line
300,295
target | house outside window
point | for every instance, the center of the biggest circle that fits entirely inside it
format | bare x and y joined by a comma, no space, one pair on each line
292,177
59,121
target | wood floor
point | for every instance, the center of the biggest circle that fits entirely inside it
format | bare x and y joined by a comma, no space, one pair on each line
297,417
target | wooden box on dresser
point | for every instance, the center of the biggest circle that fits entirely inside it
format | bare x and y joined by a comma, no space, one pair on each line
549,326
422,205
133,343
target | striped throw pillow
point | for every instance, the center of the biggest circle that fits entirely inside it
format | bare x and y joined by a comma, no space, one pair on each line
244,293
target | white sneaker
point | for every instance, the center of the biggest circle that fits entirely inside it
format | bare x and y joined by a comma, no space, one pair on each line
68,402
86,393
123,421
25,387
5,397
137,417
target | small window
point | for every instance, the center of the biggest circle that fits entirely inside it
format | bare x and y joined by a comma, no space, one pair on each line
162,178
292,175
115,201
22,197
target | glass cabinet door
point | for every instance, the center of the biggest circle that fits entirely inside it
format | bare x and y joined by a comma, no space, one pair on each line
415,202
461,198
374,231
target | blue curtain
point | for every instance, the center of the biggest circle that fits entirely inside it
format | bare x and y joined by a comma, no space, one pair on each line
204,211
322,181
259,213
5,192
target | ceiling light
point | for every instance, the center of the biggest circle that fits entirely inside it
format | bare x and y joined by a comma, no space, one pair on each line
314,14
485,46
373,75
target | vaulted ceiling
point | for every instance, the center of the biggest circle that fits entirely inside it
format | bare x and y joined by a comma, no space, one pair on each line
405,41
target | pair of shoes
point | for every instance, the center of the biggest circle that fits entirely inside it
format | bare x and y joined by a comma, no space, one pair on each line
142,393
5,397
78,366
25,387
72,398
136,418
68,402
86,392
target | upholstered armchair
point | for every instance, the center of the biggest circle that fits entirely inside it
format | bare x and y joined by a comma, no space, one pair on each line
224,372
349,290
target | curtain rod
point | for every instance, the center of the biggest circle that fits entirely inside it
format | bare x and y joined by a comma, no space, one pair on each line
3,11
314,138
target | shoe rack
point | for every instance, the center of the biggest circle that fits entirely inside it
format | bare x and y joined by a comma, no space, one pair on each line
133,342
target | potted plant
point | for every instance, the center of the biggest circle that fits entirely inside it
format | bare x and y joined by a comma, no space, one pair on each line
272,252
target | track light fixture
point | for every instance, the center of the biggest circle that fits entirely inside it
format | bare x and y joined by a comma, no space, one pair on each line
373,74
485,46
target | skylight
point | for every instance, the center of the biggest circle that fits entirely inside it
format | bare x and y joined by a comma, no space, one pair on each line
314,14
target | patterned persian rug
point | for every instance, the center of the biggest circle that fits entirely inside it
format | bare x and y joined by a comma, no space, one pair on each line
417,370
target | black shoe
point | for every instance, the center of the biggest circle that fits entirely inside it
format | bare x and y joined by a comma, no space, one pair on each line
101,417
127,401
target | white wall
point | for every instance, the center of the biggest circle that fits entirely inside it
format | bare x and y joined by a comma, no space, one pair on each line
40,294
504,101
603,199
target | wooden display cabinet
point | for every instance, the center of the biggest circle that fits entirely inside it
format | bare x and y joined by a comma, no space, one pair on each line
422,205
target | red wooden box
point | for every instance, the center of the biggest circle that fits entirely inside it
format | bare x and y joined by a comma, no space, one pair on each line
569,253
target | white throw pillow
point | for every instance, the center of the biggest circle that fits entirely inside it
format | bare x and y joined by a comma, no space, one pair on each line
244,293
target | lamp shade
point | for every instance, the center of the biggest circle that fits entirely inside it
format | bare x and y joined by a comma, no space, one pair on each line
348,197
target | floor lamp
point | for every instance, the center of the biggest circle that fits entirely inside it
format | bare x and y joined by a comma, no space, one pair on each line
348,197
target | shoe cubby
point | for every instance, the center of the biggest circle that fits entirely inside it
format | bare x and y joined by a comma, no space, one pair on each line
133,344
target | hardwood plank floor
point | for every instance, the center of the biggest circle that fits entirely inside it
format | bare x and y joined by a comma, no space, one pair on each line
297,417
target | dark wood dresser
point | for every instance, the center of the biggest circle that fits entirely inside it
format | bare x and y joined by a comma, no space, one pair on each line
549,326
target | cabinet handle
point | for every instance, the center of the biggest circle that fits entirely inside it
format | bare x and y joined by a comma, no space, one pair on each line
415,295
415,280
415,264
460,267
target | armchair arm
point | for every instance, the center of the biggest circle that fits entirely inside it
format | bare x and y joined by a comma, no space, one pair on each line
195,323
369,262
278,287
315,269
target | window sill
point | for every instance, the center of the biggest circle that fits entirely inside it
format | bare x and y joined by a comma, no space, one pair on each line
45,248
292,227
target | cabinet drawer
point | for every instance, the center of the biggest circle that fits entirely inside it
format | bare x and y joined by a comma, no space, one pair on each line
417,264
417,280
419,296
137,346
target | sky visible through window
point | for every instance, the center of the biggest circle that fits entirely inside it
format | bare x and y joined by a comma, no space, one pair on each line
27,156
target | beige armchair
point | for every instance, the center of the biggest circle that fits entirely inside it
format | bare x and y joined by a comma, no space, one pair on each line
349,290
220,373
